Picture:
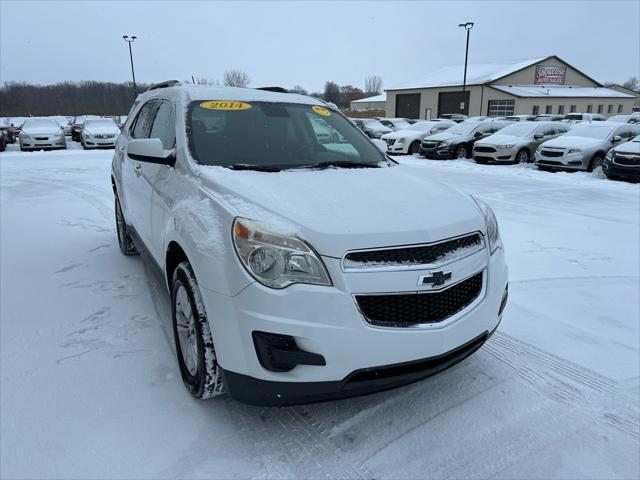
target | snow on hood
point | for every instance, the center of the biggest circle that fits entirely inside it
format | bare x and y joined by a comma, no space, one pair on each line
342,209
444,136
498,139
570,141
630,147
404,133
103,130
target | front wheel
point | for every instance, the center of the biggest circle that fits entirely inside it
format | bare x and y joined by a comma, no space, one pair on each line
125,243
595,162
414,148
461,151
196,354
522,156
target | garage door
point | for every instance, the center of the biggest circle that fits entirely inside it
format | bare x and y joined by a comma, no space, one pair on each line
453,102
408,105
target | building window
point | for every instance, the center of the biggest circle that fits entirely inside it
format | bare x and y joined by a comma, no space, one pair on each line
536,110
620,108
547,109
572,109
610,109
600,108
501,108
589,108
560,109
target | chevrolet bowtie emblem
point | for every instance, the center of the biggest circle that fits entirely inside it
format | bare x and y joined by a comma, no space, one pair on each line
436,279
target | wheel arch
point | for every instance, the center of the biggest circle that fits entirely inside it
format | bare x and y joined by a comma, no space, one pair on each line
174,255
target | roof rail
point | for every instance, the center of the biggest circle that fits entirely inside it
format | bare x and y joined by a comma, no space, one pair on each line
167,84
273,89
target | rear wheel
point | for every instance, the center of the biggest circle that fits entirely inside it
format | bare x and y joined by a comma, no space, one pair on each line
595,162
522,156
414,148
196,354
127,247
461,151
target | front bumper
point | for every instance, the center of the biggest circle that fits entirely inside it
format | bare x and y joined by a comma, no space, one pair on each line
326,321
438,153
397,149
497,155
565,161
48,142
613,170
93,142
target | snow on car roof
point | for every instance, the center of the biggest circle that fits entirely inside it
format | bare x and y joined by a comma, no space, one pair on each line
206,92
476,74
376,98
559,91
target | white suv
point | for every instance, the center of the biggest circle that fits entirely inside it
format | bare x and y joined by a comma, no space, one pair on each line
299,270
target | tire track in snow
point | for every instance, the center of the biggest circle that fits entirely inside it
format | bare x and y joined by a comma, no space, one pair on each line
563,381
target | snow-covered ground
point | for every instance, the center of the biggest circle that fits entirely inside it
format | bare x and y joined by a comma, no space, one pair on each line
90,387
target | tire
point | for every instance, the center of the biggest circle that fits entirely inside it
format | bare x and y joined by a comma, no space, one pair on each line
595,162
461,152
199,368
414,148
522,156
127,247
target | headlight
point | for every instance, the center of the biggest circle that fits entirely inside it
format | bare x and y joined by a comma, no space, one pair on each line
24,136
400,141
444,143
274,259
493,234
575,150
609,155
510,145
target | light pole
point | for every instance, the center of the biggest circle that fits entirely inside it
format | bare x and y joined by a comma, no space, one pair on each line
467,26
129,40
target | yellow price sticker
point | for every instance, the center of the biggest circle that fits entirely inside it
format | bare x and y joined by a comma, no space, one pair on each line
225,105
321,110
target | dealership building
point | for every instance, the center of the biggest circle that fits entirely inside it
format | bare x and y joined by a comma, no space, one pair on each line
546,85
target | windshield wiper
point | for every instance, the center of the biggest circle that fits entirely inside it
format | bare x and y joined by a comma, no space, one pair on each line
343,164
257,168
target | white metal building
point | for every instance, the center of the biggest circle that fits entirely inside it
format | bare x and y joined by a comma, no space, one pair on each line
533,86
378,102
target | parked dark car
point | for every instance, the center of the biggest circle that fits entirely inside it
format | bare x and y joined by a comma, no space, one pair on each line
77,124
623,161
454,117
8,131
3,142
457,141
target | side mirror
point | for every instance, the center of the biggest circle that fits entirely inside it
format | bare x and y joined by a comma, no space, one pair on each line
538,136
478,135
380,144
616,139
150,150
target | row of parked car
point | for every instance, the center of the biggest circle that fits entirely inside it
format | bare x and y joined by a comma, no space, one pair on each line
571,144
38,133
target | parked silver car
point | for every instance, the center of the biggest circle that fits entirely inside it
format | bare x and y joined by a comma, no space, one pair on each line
371,127
584,146
41,133
582,117
516,143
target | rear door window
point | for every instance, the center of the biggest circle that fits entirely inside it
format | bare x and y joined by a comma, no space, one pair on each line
144,119
164,125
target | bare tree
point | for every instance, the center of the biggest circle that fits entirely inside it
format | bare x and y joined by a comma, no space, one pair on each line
349,93
332,92
632,84
373,85
236,78
299,90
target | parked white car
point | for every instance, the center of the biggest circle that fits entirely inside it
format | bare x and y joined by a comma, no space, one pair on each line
99,133
371,127
41,133
408,141
584,146
633,118
583,117
290,280
395,124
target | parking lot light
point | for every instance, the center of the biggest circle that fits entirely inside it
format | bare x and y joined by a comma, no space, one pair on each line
467,26
129,40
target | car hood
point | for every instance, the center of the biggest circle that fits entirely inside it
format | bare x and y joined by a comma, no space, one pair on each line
502,140
44,130
445,136
102,131
337,210
571,141
629,147
405,133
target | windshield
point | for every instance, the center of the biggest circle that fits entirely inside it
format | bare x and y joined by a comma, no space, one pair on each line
522,129
283,135
40,123
401,124
372,122
103,122
463,128
573,116
600,132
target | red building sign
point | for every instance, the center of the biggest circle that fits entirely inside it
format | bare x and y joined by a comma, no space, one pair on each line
547,75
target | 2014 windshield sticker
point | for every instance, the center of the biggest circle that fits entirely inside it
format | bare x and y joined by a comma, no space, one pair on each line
225,105
321,111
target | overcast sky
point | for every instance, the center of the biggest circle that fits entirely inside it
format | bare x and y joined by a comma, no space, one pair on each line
307,43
